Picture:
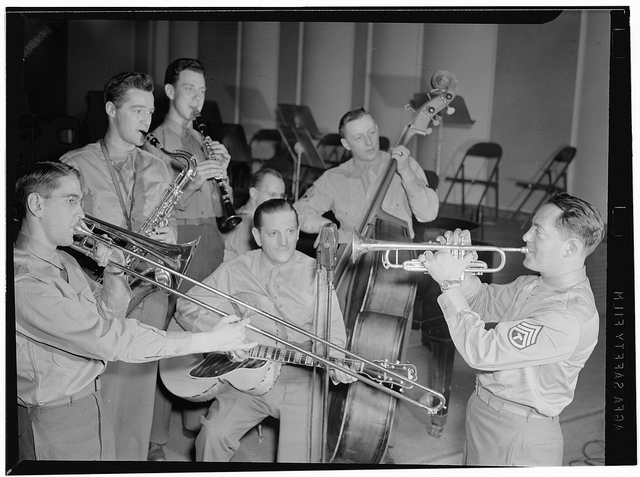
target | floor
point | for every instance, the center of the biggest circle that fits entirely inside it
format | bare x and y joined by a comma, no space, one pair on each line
410,443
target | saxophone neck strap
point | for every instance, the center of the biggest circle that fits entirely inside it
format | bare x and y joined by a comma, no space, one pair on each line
118,184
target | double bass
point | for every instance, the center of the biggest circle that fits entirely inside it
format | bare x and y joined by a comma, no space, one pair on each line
377,306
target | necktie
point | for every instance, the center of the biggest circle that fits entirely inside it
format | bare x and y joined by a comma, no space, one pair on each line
127,173
64,274
272,289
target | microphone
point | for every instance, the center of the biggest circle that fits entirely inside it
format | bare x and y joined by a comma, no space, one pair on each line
327,251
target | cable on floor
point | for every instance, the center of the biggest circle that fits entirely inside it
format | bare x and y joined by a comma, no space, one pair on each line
593,452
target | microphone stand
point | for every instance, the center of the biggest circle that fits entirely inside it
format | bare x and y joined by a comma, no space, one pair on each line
327,257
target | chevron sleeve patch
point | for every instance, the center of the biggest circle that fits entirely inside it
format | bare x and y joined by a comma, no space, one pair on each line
524,335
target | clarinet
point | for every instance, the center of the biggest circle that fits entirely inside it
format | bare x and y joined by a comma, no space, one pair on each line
229,217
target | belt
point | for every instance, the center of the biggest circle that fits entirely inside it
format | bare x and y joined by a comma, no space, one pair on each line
89,389
201,221
500,404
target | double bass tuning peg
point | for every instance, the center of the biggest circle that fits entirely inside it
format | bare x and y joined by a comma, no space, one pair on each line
450,110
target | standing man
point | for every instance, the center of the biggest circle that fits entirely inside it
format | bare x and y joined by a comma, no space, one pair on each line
200,204
68,326
281,281
122,184
346,190
196,211
545,330
264,185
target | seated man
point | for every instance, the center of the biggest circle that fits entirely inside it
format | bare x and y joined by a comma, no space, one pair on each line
68,327
545,329
281,281
264,185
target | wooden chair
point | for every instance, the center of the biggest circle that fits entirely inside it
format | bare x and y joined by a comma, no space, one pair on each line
486,151
552,180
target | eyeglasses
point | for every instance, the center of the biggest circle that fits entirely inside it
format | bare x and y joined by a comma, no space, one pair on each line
274,195
72,200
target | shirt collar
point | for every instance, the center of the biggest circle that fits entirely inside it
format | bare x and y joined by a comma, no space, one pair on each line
178,128
564,280
116,152
266,267
40,250
361,167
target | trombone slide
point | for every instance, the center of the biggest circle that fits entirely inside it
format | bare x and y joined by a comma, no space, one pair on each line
128,236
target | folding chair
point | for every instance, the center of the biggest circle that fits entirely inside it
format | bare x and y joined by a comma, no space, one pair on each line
548,182
485,151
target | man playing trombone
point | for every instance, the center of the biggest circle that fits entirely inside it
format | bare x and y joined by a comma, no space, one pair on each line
281,281
542,330
68,327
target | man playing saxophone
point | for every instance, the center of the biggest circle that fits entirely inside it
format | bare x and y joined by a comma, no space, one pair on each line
197,209
122,184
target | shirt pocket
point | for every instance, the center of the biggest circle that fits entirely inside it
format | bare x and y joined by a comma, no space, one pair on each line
104,208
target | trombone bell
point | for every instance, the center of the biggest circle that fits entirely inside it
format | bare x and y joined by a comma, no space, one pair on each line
177,257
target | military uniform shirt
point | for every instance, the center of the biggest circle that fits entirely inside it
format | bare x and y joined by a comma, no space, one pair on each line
65,330
100,198
546,330
347,189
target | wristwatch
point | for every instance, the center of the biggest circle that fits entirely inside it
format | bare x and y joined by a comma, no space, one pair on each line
447,284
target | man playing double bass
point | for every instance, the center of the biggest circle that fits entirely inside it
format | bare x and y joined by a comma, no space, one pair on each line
346,190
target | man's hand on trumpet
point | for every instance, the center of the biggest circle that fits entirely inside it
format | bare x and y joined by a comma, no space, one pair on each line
228,334
444,264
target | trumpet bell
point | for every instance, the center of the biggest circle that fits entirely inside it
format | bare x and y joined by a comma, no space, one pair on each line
174,256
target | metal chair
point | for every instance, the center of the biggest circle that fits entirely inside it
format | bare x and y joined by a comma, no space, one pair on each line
554,173
486,151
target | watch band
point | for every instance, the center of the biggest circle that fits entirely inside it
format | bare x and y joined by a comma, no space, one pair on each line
447,284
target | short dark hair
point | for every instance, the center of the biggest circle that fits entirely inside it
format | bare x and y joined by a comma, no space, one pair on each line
269,207
579,219
118,86
351,116
179,65
42,178
258,177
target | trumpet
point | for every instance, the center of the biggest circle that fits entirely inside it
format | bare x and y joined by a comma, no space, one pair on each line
362,244
122,235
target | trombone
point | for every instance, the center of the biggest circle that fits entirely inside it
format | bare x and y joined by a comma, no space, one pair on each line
85,248
362,244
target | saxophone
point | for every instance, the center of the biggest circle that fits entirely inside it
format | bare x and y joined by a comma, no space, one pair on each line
159,216
229,217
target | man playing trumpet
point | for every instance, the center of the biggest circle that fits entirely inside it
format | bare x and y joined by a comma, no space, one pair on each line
544,328
68,327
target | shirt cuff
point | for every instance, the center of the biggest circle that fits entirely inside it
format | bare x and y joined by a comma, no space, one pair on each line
452,302
178,343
